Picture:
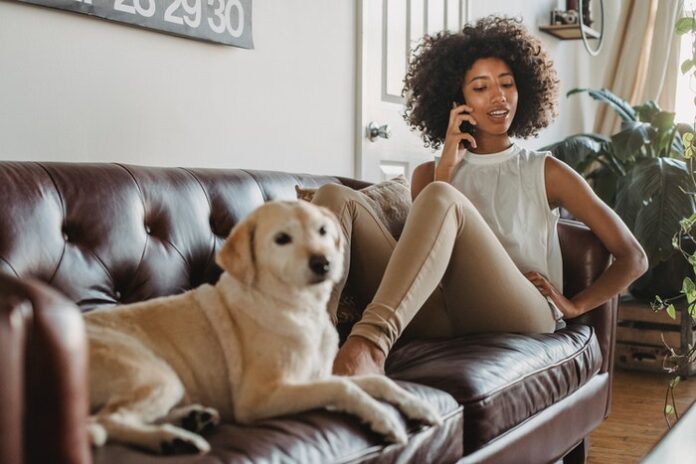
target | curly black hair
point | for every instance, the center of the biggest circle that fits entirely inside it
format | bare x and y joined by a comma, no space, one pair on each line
435,75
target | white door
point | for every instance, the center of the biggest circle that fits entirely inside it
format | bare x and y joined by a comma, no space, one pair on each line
387,32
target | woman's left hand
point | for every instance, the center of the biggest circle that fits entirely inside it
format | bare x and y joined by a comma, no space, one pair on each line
542,284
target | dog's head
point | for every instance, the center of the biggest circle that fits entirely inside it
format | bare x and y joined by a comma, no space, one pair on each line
293,243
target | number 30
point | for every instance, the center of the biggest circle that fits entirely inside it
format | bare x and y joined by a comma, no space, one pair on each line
224,12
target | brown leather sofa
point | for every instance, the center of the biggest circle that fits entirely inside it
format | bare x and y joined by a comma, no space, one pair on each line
74,237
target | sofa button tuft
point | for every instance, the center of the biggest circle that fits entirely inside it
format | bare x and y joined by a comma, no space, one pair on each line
148,230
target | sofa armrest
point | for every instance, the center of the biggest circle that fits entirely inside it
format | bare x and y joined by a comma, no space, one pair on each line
584,259
14,321
44,361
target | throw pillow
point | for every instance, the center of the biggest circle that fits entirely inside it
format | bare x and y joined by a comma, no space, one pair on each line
390,201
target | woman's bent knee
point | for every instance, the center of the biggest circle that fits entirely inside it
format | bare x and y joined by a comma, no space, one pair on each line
333,196
439,192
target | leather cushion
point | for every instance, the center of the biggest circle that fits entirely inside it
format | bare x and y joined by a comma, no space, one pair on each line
317,437
500,379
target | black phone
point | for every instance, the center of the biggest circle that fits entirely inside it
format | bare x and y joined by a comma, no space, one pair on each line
466,126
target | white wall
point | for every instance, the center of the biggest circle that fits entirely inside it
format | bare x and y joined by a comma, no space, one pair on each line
75,88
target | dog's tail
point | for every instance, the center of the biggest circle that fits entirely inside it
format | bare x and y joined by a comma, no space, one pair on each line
97,433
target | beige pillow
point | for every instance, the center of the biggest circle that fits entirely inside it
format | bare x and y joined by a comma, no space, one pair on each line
390,200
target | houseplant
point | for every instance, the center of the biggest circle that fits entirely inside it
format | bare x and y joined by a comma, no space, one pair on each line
642,173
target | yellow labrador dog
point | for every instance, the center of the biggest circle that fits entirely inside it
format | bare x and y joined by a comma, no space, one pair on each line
258,344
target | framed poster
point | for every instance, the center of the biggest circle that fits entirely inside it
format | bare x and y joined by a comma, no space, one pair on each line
222,21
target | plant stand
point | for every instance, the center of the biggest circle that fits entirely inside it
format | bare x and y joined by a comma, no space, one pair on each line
640,332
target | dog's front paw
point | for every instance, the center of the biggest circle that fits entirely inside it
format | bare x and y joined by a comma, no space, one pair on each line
200,419
385,424
419,410
178,441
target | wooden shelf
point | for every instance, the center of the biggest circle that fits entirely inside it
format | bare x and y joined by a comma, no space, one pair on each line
569,31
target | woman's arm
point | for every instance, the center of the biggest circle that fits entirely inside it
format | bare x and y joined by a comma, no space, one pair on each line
567,189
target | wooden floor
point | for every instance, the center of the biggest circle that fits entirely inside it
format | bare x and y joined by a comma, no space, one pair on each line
636,422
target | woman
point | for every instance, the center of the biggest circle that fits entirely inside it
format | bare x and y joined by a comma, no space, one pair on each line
479,251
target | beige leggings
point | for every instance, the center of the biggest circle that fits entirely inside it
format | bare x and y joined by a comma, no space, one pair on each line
447,275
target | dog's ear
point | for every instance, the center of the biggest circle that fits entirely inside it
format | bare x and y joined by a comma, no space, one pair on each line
340,240
237,255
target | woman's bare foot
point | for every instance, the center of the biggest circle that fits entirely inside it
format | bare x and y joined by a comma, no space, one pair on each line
359,356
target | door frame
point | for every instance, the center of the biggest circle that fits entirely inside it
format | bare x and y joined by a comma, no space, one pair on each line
360,124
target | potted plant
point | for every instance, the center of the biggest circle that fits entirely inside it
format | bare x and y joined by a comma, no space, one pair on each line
642,173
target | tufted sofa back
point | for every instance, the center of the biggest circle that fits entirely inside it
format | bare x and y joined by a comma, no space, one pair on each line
104,234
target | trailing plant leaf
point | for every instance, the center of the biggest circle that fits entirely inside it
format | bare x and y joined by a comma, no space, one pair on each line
685,25
689,289
651,203
689,145
671,311
622,107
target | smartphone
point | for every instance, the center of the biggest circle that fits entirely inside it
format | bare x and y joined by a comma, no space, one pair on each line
466,126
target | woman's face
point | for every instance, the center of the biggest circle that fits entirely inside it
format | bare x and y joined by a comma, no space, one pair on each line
489,87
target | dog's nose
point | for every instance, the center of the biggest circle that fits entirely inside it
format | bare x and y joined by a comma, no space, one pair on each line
319,264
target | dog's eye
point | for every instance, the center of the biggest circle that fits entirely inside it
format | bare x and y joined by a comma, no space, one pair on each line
322,230
283,238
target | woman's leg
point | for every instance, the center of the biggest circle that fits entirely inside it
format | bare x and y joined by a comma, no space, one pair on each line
445,240
369,245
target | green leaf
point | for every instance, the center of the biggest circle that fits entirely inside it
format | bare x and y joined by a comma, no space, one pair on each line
650,200
688,138
576,150
669,409
628,143
604,183
692,312
687,223
622,107
671,311
647,111
689,289
663,120
674,382
686,65
685,25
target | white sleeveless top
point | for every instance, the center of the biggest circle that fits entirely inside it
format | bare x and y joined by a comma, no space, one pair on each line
508,190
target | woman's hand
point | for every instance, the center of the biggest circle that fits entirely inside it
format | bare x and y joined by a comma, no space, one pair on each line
359,356
451,153
542,284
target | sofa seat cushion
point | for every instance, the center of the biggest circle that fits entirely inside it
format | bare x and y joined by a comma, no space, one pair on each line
500,379
317,437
